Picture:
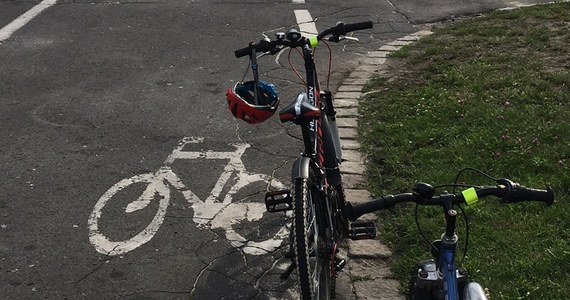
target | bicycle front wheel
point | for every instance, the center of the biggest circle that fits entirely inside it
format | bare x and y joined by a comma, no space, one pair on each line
308,237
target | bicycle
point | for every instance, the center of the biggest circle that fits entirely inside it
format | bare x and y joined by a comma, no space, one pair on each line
317,198
211,212
440,277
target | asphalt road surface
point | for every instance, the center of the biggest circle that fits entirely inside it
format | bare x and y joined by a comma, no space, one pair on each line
100,99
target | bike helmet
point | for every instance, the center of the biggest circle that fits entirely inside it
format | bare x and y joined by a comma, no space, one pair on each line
242,104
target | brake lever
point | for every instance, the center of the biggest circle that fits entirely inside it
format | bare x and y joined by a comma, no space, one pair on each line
336,39
350,38
276,50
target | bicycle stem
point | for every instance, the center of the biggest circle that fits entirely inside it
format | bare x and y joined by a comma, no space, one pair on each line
450,216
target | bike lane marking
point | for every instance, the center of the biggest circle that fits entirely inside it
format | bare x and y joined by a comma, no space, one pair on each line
215,211
7,31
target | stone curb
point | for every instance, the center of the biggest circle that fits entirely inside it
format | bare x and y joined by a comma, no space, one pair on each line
367,267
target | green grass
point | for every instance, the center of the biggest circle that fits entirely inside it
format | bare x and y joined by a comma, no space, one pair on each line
492,93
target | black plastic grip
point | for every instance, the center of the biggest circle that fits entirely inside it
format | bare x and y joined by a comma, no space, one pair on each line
519,193
357,26
263,46
242,52
522,193
353,212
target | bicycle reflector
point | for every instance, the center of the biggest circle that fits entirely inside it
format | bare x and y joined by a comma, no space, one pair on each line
470,196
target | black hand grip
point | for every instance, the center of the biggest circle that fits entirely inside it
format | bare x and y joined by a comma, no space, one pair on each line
242,52
519,193
357,26
528,194
264,45
354,212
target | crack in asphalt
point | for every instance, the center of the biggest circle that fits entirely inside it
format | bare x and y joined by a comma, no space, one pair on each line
399,12
258,280
288,132
155,292
99,266
256,285
204,262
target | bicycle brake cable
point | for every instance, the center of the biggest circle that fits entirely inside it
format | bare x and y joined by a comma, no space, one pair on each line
474,170
330,64
467,228
420,230
246,70
467,231
293,67
465,218
249,65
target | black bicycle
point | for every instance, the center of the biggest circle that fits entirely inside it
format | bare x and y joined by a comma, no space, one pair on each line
316,199
440,277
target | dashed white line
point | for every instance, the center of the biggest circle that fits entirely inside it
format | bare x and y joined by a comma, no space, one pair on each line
298,1
305,22
7,31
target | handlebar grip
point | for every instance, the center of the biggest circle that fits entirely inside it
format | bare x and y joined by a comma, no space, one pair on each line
357,26
519,193
242,52
264,45
529,194
354,212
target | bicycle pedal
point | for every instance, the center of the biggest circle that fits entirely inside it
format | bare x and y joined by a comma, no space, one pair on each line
277,201
362,230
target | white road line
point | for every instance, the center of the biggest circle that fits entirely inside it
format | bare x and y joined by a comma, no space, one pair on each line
298,1
7,31
305,22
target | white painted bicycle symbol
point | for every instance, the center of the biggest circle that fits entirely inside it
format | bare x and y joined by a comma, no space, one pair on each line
211,212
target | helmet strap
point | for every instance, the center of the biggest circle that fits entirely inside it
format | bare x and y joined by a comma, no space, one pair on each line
253,63
253,59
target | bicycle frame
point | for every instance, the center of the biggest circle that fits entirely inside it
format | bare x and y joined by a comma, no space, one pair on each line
322,146
320,136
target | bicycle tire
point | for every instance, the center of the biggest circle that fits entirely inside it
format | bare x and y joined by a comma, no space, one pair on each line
313,262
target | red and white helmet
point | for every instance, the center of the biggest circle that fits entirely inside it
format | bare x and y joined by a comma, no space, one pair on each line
241,101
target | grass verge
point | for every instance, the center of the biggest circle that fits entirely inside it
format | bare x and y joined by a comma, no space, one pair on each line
491,93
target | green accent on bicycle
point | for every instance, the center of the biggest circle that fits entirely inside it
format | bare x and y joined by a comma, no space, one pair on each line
470,196
313,42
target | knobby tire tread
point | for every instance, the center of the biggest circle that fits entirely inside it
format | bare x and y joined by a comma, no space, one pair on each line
302,242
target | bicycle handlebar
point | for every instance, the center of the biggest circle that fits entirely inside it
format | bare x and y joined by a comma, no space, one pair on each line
507,190
267,45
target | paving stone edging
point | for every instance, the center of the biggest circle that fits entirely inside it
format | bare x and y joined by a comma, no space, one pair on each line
367,274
